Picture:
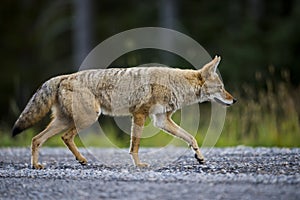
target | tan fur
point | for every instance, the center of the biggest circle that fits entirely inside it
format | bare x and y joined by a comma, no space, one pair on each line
78,99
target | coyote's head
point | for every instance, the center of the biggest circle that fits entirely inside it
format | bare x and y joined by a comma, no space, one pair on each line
213,87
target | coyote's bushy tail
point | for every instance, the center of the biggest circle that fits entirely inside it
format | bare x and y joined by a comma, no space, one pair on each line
38,106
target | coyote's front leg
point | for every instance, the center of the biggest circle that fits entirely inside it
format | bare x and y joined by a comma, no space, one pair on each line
137,126
164,122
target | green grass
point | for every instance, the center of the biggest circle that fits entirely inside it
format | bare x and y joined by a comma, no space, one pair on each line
268,117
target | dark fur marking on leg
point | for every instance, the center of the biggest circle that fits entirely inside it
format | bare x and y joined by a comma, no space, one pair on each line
195,149
82,162
201,161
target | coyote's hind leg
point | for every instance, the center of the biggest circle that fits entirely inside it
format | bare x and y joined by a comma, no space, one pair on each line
68,139
84,110
55,127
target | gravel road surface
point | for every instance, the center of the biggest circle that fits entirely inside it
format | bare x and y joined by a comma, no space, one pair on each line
229,173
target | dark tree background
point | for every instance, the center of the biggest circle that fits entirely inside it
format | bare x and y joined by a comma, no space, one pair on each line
41,39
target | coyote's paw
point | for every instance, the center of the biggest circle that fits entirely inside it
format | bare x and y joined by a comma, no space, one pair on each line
200,160
142,165
37,166
82,160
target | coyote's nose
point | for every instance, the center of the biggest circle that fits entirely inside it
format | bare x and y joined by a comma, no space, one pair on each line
234,100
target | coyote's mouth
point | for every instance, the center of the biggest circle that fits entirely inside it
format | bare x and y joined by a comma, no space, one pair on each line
221,102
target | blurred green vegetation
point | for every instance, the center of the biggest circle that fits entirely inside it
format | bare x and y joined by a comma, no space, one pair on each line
258,41
265,117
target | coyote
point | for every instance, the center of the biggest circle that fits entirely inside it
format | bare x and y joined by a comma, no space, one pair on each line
77,100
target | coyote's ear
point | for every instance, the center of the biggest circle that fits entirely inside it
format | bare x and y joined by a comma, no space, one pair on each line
211,67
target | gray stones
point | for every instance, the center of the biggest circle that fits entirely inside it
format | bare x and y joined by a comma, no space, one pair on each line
170,169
